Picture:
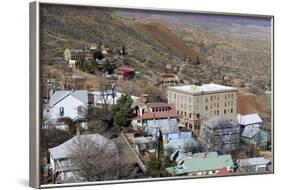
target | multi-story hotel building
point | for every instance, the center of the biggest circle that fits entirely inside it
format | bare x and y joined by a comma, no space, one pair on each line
196,102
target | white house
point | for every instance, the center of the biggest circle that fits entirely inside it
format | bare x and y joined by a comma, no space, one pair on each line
72,104
60,156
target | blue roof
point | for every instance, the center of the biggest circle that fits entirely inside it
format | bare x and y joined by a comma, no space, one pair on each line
181,143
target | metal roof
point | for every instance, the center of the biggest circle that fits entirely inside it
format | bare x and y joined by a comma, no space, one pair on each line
253,162
204,88
142,140
64,150
191,165
250,132
181,143
57,96
249,119
165,125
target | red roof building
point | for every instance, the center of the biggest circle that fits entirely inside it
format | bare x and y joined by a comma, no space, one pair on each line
168,79
125,73
152,111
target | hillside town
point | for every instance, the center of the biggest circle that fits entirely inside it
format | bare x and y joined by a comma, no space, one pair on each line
94,129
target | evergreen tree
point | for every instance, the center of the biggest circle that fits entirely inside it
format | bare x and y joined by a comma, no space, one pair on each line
158,161
122,111
160,153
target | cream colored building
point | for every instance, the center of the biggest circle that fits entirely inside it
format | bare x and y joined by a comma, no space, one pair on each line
195,103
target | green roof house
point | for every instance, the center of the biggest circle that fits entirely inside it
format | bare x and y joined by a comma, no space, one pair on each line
203,166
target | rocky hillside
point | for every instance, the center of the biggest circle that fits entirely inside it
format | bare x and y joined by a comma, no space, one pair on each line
150,46
197,48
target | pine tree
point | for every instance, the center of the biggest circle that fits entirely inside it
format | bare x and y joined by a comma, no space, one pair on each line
122,111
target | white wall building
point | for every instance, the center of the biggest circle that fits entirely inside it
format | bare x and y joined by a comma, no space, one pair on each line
71,104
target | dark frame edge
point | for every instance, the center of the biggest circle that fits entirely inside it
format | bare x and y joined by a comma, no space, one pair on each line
34,161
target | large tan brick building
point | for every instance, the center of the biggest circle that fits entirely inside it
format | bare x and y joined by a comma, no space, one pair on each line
196,102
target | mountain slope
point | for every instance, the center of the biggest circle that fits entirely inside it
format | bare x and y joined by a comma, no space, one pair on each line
65,27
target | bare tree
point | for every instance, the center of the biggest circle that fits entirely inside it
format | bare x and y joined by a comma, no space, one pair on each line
107,93
99,162
94,161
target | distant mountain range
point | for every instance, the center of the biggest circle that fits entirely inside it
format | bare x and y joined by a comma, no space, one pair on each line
182,18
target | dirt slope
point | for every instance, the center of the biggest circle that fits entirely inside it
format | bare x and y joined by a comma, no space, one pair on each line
249,103
162,35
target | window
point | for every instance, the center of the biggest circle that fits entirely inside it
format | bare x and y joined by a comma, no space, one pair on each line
231,110
211,98
218,105
61,111
224,111
232,96
189,99
175,97
80,110
218,97
206,100
214,112
225,97
189,115
206,108
218,112
197,115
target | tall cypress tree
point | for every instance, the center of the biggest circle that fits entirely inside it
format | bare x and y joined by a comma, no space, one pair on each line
160,153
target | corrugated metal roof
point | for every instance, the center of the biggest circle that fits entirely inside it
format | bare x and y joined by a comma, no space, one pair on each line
191,165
